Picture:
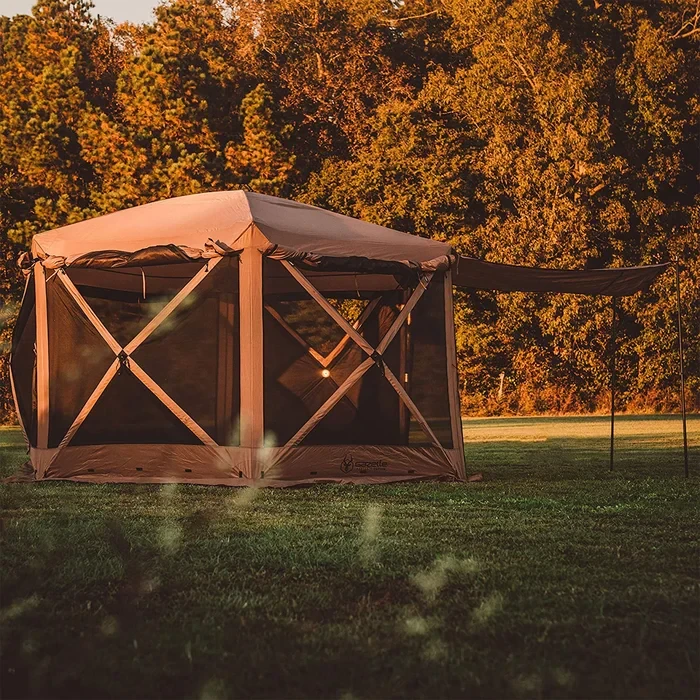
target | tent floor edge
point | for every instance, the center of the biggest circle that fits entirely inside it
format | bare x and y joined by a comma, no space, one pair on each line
240,466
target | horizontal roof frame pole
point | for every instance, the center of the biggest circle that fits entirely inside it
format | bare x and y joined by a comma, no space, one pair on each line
362,368
138,372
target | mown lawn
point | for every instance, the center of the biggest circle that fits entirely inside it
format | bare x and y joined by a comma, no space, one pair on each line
550,578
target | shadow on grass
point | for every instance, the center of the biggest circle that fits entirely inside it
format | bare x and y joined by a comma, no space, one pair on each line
560,459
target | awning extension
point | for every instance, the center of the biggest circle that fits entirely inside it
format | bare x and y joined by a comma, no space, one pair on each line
614,282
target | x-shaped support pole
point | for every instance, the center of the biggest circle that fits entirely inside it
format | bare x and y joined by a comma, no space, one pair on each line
374,356
323,360
123,355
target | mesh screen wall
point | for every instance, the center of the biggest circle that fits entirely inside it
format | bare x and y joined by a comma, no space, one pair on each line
78,359
24,363
307,356
426,364
192,359
193,355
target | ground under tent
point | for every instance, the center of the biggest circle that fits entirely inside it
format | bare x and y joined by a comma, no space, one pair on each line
235,338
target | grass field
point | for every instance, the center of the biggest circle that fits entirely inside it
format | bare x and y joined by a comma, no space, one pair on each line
550,578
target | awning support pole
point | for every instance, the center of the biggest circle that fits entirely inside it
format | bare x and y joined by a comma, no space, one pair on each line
682,368
612,386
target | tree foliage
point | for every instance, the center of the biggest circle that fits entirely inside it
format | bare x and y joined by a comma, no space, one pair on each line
560,133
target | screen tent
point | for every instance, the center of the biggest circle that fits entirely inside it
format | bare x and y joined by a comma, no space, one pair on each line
235,338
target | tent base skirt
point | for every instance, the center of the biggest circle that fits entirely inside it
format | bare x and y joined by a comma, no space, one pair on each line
242,483
239,466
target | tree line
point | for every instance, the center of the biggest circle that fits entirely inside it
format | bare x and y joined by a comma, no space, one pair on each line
558,133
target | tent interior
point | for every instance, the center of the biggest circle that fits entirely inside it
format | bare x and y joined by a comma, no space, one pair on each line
250,363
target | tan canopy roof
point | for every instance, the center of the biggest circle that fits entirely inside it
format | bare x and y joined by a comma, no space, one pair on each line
236,220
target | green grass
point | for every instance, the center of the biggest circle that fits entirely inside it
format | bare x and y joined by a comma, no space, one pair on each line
551,578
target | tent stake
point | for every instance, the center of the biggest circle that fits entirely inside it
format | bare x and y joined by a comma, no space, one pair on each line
612,389
680,356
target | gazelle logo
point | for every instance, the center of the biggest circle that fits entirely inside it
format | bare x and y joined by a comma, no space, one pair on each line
349,463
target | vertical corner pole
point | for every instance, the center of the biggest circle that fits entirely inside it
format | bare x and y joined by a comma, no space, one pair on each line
404,340
251,350
612,384
681,365
42,358
452,374
225,371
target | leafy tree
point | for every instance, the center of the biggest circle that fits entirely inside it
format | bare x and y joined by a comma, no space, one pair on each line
162,136
43,76
261,160
332,63
561,133
558,168
412,174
